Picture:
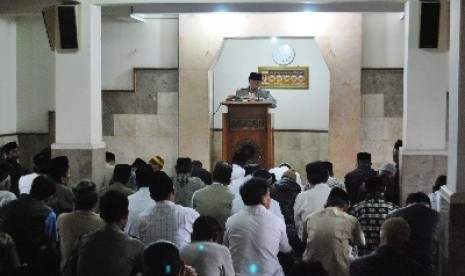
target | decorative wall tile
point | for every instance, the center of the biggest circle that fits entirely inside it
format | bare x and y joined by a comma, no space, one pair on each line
373,129
146,103
372,105
146,125
146,81
125,125
168,103
393,104
118,102
168,81
167,126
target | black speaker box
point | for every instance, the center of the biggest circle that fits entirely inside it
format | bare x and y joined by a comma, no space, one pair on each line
61,22
67,27
429,24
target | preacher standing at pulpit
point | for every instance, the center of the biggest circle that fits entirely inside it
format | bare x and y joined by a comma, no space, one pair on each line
253,91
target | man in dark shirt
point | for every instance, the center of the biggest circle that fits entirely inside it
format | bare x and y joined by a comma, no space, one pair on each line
424,225
108,250
354,179
15,169
389,259
32,225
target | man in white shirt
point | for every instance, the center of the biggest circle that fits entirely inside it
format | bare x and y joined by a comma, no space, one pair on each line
254,235
166,220
140,200
314,199
204,253
281,169
238,203
41,166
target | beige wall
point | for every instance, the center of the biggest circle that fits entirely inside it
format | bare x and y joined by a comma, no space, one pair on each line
337,34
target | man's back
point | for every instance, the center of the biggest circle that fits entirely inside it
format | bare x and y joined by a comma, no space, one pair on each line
208,258
353,181
254,237
424,224
25,222
71,226
214,201
108,251
371,213
308,202
385,261
166,221
138,202
185,189
329,235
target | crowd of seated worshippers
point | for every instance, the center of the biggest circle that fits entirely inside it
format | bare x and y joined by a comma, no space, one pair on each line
240,219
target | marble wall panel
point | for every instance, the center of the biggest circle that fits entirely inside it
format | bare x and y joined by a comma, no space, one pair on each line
372,105
167,126
124,125
147,81
393,104
168,103
388,83
372,129
118,102
168,81
146,103
108,128
146,125
123,147
136,128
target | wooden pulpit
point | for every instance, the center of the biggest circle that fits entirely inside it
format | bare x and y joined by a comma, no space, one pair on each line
249,124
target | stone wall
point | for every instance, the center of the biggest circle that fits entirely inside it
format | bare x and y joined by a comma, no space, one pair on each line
143,123
382,111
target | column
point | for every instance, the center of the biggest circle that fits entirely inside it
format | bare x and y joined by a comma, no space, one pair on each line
424,152
452,238
78,100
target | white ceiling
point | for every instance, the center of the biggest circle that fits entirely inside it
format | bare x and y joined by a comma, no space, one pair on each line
25,7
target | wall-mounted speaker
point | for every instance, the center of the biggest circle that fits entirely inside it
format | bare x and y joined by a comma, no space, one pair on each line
429,24
62,25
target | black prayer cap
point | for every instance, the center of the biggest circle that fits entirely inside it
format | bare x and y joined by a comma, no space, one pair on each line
364,156
10,146
255,76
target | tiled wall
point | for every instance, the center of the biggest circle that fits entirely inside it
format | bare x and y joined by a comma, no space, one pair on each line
382,111
144,123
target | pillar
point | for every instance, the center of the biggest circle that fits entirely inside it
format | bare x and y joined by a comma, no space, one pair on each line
79,102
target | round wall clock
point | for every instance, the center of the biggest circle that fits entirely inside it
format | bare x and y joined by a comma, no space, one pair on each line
283,54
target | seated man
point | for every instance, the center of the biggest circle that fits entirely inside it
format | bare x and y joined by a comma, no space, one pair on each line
329,234
216,200
108,250
255,236
253,91
166,220
71,226
424,225
389,258
372,212
32,225
204,253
